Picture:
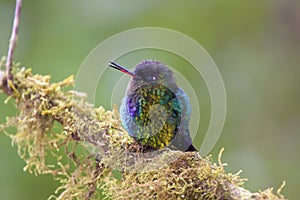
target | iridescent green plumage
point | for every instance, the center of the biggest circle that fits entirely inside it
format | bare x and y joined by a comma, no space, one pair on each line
155,111
157,116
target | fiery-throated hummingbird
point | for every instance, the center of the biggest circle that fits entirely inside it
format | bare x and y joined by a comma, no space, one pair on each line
155,111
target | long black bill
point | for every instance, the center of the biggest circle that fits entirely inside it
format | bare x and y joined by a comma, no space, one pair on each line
120,68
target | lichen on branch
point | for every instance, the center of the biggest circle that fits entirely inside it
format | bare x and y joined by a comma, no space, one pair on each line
88,151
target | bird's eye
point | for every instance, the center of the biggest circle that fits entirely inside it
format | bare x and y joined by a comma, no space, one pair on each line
151,78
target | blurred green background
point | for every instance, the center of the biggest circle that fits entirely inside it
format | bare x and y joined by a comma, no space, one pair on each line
256,45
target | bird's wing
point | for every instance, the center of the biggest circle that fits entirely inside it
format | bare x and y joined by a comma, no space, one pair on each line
126,116
185,107
182,140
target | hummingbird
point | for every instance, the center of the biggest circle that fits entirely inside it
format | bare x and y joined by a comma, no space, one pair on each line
155,111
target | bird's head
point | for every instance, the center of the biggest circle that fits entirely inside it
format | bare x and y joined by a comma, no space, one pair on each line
149,72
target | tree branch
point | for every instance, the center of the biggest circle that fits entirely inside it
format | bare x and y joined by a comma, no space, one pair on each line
167,175
13,39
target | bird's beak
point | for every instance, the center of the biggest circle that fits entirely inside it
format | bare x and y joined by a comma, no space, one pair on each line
120,68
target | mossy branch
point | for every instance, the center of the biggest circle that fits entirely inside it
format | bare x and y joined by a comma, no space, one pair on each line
88,151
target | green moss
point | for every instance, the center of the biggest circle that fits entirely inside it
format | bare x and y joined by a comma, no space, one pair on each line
93,157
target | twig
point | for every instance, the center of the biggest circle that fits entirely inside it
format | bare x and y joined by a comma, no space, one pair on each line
13,39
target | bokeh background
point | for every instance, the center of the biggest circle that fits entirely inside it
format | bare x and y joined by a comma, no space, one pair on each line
256,45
